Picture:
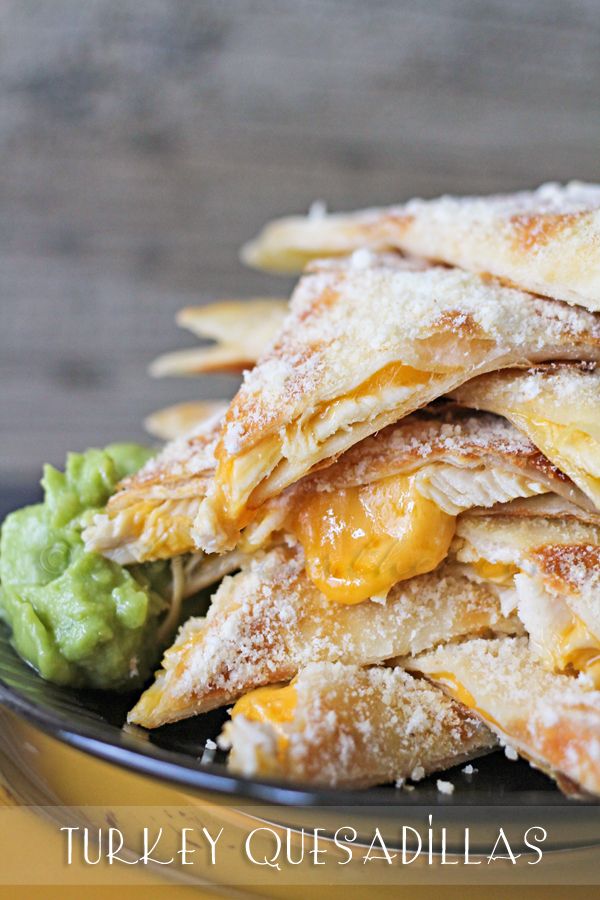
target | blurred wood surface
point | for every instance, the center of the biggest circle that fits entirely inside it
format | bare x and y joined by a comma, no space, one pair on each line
142,142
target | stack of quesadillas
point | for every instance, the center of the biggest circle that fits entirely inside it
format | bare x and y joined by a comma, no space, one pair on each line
402,500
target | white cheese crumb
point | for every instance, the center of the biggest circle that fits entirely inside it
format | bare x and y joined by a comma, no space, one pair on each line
399,783
548,715
445,787
511,753
418,773
587,683
470,770
361,259
209,751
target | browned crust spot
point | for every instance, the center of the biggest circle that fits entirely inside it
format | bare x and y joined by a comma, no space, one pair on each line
534,230
568,565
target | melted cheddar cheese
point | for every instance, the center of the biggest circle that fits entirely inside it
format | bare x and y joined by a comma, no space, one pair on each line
576,649
395,374
361,540
497,572
459,692
272,705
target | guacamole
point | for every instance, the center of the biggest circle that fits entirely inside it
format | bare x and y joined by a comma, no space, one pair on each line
76,617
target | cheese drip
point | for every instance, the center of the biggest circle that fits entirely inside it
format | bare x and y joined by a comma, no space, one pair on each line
361,540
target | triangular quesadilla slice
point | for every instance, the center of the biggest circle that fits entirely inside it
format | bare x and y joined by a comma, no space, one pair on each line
151,514
181,419
548,571
558,408
241,328
552,720
365,344
269,620
545,241
342,725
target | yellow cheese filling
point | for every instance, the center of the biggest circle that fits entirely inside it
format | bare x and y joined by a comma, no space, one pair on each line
393,375
497,572
459,692
577,649
388,532
361,540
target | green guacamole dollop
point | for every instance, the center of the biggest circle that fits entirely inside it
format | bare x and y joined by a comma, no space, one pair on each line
76,617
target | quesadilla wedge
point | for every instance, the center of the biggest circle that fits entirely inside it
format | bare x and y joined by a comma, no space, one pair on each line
241,328
151,514
548,570
558,408
366,343
341,725
552,720
269,620
180,419
546,241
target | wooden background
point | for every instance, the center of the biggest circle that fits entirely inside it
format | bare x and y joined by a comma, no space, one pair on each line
142,141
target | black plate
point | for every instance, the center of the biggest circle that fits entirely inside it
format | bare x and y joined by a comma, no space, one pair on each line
93,722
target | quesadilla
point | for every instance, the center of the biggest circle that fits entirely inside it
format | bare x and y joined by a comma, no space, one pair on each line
341,725
181,419
545,241
366,343
241,329
151,514
269,620
548,571
557,406
552,720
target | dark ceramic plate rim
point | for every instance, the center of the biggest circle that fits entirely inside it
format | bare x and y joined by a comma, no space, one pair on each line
113,745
